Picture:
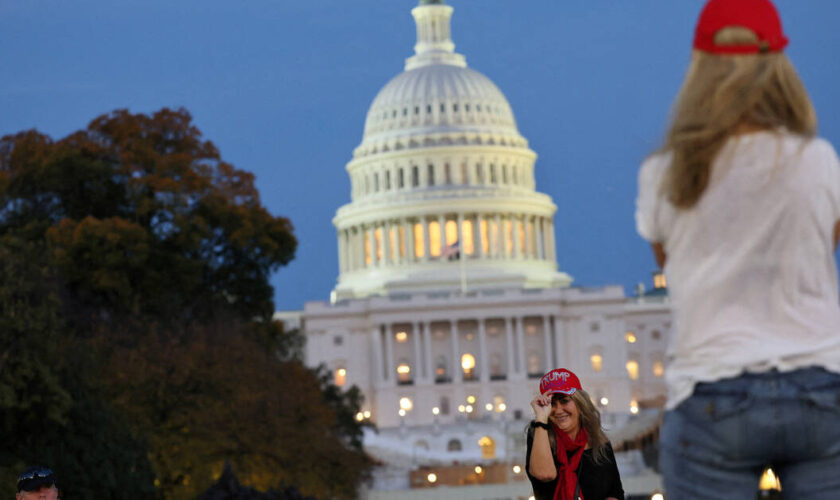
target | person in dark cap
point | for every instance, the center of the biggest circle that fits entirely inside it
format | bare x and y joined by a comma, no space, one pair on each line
36,483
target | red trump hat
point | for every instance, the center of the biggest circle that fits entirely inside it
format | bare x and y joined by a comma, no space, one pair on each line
759,16
559,380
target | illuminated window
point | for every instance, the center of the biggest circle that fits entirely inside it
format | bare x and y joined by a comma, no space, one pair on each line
484,237
451,230
658,368
340,377
392,233
404,372
401,337
468,364
488,447
467,233
440,368
521,238
434,239
508,237
632,369
630,337
597,362
419,247
401,236
659,280
499,403
366,236
377,235
494,239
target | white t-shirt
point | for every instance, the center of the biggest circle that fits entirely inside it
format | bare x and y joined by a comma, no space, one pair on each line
750,268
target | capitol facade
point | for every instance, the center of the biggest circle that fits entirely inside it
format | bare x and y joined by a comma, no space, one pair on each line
449,304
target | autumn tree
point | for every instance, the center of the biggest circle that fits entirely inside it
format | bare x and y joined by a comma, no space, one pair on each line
155,256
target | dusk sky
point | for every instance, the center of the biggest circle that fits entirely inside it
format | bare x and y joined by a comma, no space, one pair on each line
282,88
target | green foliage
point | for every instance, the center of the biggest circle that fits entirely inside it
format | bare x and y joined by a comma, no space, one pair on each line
137,350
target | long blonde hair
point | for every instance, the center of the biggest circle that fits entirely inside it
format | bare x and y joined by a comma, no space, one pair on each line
590,419
720,94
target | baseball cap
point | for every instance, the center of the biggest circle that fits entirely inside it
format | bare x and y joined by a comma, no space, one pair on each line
559,380
34,477
760,16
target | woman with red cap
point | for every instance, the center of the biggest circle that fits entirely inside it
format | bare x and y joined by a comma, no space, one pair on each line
568,455
742,208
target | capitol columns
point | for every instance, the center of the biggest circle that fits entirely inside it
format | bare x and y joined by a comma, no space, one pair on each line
408,230
457,375
549,357
386,243
376,343
390,377
427,351
539,227
560,349
511,355
484,373
419,371
520,348
478,238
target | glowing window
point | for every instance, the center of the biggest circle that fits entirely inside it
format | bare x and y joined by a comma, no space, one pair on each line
632,369
597,361
488,447
419,247
367,248
401,236
392,233
630,337
404,372
340,377
467,234
521,238
484,237
401,337
451,230
377,235
508,237
494,238
468,363
659,280
434,239
658,368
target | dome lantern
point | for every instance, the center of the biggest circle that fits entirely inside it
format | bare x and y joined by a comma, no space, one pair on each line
434,40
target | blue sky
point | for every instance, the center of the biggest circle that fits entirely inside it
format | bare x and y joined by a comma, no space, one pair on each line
282,88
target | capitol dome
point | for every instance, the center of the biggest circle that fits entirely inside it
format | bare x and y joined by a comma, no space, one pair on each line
443,191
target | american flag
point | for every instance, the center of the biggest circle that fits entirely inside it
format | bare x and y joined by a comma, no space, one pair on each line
451,251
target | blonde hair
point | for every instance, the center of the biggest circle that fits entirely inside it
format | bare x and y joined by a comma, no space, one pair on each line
720,94
590,419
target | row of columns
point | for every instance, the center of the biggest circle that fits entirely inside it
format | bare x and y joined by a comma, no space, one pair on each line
394,242
399,178
555,349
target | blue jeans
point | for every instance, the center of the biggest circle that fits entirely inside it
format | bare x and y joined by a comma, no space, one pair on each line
716,443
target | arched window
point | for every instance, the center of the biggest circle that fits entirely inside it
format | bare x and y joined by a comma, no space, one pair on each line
453,445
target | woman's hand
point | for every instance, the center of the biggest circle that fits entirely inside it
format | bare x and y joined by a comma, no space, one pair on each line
542,407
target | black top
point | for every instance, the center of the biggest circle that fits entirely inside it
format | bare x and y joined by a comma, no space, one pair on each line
597,481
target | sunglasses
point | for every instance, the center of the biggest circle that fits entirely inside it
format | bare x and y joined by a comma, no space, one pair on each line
35,473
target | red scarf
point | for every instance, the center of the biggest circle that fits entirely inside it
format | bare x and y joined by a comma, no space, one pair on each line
566,477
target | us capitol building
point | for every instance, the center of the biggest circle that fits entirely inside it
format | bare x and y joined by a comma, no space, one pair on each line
449,305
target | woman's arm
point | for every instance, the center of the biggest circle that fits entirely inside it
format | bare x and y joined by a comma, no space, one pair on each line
541,460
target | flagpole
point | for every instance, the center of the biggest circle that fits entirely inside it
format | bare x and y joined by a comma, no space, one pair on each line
463,273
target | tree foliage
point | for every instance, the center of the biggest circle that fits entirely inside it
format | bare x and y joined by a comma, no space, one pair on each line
136,341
